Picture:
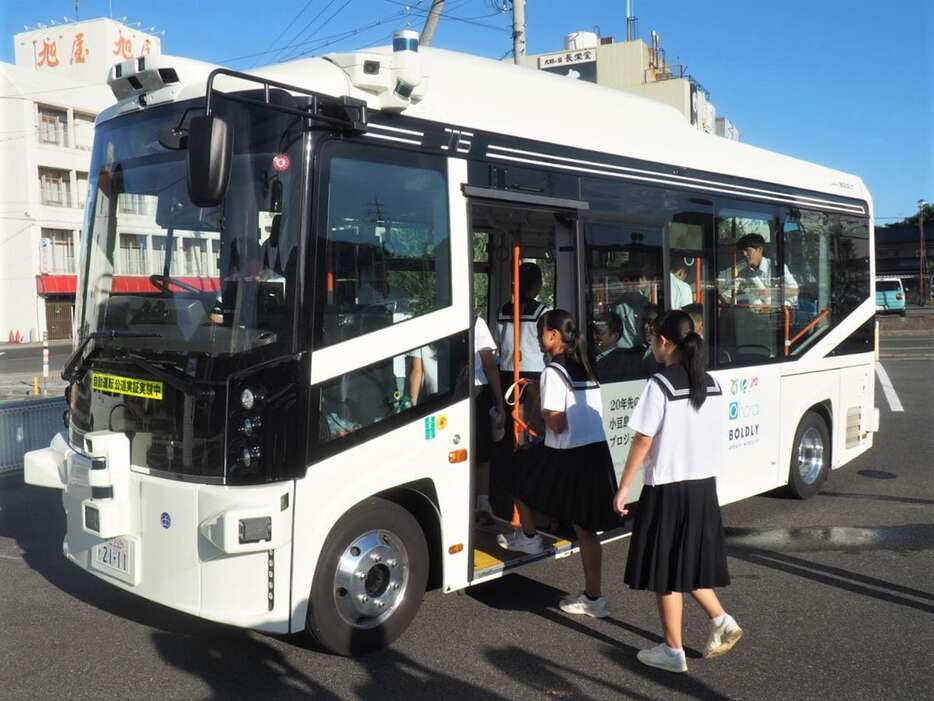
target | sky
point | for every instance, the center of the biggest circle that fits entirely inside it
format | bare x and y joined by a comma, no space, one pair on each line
849,85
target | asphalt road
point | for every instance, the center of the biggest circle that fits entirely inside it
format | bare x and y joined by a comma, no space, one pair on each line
836,595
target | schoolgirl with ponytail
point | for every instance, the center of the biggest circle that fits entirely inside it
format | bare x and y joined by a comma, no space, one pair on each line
570,478
677,538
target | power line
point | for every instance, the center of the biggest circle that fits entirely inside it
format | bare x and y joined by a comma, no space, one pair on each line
290,24
305,28
326,22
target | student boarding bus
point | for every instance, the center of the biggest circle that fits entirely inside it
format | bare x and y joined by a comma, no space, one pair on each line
265,255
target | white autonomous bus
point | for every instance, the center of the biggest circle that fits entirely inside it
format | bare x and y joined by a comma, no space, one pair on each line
265,257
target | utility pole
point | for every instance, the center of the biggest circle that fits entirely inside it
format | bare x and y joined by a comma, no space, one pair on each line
434,14
922,255
518,29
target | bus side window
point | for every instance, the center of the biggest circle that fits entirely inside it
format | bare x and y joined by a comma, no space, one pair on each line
626,292
749,285
359,404
384,252
828,254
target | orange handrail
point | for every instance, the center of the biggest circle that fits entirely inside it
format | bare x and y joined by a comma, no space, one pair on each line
698,292
517,423
814,322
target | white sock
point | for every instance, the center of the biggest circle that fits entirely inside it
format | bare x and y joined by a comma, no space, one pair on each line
673,652
719,620
483,503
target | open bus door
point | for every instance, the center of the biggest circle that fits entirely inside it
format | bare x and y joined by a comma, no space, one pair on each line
508,229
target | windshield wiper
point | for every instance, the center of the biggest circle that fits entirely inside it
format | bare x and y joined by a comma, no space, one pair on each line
75,366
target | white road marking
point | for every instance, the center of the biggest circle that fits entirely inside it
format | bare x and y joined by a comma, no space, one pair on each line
888,389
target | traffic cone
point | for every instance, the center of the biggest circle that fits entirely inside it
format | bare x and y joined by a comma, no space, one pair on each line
10,340
16,337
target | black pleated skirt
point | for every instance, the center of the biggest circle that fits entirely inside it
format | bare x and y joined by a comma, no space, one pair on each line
677,539
574,485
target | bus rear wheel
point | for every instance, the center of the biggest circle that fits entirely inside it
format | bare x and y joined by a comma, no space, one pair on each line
810,457
370,579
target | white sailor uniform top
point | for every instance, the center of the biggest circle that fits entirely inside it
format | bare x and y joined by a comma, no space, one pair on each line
531,358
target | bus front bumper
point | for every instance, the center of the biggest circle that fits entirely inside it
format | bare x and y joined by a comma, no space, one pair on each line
220,553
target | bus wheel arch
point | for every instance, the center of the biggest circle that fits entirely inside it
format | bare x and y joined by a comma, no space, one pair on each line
420,499
811,452
370,578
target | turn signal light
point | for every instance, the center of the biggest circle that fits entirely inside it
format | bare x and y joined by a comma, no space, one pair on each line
457,456
454,549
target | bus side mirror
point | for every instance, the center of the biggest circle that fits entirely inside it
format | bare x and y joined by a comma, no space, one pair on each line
210,150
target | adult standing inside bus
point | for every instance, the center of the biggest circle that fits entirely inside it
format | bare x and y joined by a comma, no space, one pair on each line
571,476
756,282
677,539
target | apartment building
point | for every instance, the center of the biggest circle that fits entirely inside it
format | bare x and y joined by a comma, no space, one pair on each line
49,99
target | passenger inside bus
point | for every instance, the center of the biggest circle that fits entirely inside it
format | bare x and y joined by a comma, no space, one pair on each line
531,358
681,292
613,362
649,364
696,312
631,307
755,282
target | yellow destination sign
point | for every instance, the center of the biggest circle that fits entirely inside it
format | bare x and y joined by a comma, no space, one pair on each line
116,384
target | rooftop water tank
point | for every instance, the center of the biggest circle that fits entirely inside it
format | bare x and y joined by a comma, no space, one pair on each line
575,41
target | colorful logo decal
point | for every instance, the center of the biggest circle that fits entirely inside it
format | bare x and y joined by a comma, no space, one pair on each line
165,519
429,428
734,410
442,422
743,385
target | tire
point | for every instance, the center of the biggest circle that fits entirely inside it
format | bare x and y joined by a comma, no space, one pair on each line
810,457
370,579
903,313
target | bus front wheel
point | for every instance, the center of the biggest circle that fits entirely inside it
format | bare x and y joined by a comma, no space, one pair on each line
370,579
810,457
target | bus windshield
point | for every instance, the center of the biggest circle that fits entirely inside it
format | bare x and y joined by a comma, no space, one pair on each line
183,279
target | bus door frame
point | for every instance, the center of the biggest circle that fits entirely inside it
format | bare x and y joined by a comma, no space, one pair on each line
571,211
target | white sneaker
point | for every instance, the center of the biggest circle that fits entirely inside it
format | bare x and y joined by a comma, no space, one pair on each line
722,637
520,542
659,656
579,604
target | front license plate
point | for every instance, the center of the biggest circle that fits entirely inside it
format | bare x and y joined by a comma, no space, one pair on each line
114,557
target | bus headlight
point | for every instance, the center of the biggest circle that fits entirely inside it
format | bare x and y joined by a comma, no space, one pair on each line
250,456
247,398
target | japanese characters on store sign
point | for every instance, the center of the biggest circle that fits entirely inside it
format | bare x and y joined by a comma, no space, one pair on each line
47,50
566,58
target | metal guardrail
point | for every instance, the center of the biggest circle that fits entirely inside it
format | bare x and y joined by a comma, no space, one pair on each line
27,425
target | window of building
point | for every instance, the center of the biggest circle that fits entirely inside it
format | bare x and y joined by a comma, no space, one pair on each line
81,189
132,255
55,187
84,131
158,254
386,248
60,251
132,203
53,126
195,255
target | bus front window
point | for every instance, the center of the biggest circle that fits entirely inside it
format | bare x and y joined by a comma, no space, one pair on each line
211,281
180,297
